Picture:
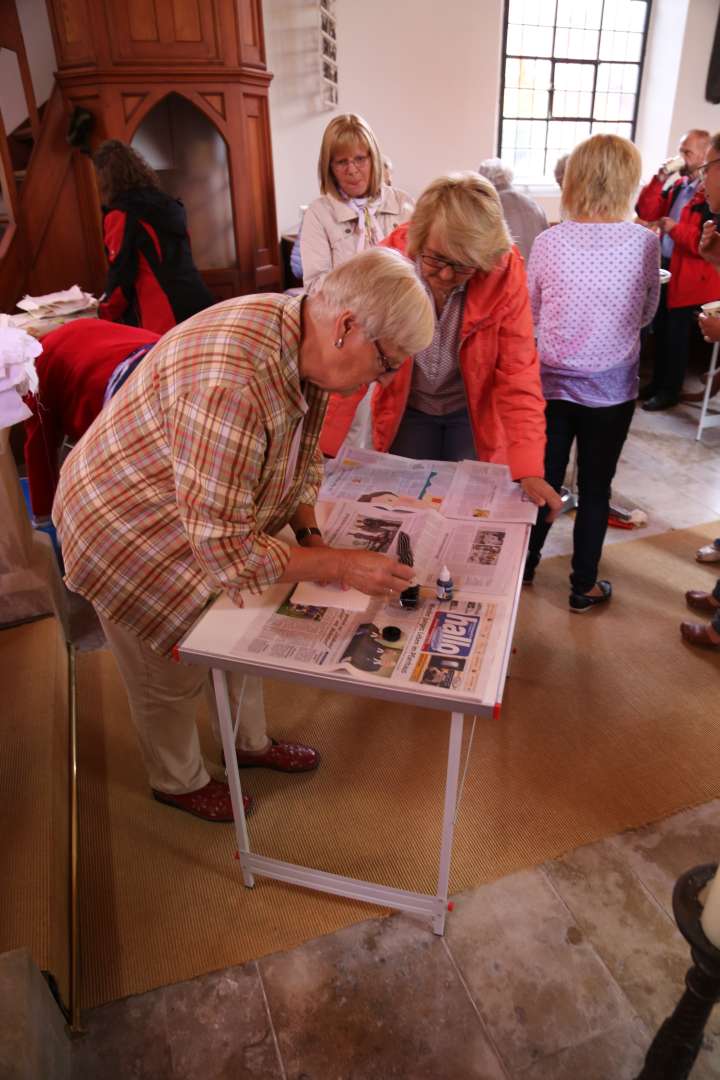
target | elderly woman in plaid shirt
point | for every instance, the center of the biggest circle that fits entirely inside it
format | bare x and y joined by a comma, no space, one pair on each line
179,488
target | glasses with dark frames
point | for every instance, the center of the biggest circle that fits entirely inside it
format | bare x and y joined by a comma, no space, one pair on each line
702,171
436,263
388,366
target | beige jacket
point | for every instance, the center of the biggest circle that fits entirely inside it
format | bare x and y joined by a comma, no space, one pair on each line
329,231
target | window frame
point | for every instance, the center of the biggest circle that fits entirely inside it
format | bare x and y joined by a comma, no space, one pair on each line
542,180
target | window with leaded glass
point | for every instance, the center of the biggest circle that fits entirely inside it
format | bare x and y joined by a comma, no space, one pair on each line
572,68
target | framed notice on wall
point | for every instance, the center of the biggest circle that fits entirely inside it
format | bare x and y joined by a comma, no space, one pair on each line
328,53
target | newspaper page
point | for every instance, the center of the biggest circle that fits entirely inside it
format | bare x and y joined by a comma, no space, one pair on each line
481,558
456,645
387,480
482,490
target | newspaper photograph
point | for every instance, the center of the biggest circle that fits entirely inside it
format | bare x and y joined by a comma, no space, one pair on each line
387,480
482,490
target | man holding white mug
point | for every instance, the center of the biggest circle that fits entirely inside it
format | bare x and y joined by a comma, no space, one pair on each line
678,209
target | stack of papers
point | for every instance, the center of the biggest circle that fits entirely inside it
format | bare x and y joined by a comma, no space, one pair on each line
40,314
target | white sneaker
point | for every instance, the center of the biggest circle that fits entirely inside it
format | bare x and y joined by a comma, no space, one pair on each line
708,553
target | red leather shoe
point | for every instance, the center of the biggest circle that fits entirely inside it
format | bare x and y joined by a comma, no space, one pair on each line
281,756
211,803
697,634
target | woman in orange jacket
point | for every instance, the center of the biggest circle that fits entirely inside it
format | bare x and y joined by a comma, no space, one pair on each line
475,391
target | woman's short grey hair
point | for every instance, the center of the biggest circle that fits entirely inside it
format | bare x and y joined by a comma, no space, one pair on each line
494,170
382,290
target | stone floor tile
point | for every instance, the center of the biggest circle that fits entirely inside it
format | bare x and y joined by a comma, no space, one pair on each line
535,978
378,1000
660,853
219,1029
126,1040
617,1054
637,940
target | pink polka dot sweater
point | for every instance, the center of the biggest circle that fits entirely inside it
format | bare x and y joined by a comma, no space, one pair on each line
592,288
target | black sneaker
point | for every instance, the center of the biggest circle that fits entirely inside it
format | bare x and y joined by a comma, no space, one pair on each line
659,402
580,602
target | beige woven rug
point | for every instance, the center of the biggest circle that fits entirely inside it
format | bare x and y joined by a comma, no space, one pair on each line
608,722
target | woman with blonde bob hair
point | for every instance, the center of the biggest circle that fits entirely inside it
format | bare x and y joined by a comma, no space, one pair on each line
356,210
594,283
474,391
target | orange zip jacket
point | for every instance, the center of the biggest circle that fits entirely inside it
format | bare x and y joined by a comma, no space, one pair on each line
499,367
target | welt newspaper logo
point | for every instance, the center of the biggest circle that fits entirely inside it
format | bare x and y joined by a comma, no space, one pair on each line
451,634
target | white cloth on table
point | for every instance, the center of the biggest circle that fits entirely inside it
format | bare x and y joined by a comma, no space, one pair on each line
17,372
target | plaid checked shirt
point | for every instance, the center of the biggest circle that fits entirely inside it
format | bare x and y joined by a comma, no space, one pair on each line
177,489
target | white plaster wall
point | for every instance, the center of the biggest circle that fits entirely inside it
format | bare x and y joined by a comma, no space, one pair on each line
660,82
41,60
425,75
691,109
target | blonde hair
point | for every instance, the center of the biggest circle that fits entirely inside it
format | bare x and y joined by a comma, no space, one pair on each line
385,295
714,143
601,177
340,134
467,212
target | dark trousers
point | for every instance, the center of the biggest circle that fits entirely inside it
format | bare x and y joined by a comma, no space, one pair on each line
436,438
600,435
672,342
716,616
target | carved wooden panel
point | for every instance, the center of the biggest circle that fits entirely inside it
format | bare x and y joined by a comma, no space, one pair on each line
259,172
72,32
250,29
164,31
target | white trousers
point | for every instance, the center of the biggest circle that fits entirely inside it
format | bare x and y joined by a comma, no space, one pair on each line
164,697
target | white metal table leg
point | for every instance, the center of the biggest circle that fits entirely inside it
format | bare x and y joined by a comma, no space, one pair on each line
448,825
708,391
222,698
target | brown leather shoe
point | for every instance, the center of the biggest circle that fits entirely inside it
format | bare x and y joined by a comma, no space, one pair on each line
701,601
697,634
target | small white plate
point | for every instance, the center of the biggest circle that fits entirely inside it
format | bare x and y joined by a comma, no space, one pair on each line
665,276
711,308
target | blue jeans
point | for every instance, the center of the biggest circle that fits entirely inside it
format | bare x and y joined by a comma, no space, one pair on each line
437,438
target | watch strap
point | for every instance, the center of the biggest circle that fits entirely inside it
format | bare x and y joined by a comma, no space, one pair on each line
305,532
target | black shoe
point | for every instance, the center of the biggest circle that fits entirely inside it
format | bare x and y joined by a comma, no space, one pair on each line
646,392
580,602
528,573
659,402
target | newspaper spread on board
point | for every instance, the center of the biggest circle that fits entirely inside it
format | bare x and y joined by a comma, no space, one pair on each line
467,490
455,645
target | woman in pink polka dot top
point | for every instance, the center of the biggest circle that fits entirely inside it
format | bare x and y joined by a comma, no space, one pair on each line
594,283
